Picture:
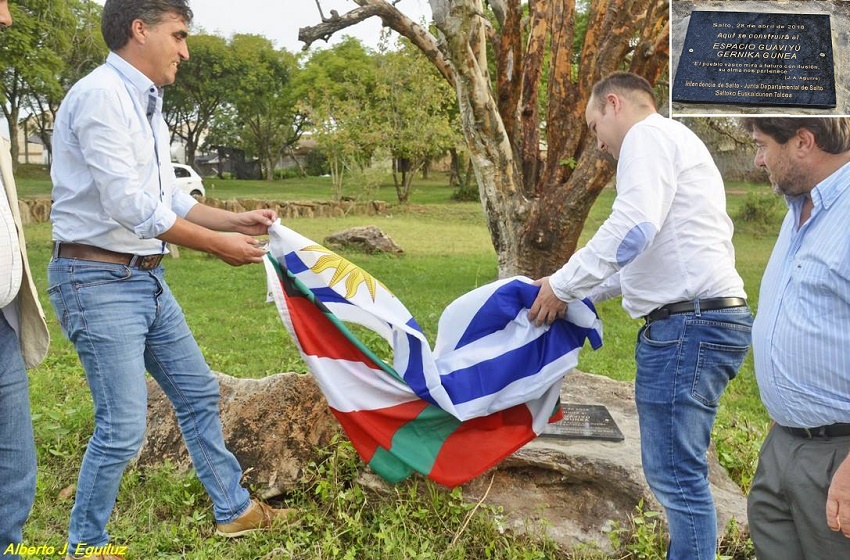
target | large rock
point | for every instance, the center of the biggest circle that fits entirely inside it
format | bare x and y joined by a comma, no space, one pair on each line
34,210
273,425
576,488
367,239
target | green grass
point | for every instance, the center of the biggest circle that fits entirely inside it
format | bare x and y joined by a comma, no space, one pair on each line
165,514
33,181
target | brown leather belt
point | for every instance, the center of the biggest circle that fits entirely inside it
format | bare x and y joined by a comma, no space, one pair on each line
710,304
92,253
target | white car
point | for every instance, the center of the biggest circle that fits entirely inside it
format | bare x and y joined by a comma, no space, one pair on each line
188,180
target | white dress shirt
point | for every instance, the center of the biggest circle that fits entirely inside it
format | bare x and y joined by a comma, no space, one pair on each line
113,183
11,262
668,234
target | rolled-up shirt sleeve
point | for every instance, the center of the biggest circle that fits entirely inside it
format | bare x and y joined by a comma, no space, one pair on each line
120,156
645,189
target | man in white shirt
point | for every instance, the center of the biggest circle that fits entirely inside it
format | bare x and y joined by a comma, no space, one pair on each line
115,205
23,344
667,248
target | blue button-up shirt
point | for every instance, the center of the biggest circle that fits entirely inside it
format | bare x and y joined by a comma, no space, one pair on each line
113,183
801,335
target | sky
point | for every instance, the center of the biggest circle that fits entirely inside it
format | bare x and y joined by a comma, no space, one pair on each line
279,20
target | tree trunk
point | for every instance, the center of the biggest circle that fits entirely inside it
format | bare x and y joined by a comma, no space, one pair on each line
454,168
536,195
14,145
191,149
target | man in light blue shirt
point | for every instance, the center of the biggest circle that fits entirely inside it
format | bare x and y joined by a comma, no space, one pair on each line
799,503
115,205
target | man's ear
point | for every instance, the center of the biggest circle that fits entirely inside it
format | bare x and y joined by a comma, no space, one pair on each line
613,101
139,30
803,141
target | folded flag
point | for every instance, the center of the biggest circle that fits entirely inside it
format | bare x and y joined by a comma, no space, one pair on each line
490,385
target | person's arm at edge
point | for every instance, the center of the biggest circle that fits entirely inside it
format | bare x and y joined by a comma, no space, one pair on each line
838,499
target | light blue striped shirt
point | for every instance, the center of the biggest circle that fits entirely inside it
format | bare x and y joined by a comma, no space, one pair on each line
113,183
801,335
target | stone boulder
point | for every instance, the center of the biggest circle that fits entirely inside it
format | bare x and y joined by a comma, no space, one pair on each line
366,239
573,489
34,210
579,487
273,425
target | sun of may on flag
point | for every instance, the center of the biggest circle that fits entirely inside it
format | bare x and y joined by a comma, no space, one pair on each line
489,386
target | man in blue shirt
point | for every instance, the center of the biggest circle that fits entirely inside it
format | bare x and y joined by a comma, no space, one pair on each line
799,503
115,206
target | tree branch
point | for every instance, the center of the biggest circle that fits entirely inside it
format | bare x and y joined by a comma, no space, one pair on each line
390,17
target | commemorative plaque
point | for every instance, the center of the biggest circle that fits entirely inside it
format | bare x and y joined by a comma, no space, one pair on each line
751,58
584,421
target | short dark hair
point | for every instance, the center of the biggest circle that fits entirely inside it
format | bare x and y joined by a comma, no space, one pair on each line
832,134
118,15
622,83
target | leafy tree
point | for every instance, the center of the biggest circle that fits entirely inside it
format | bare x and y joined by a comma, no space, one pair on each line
411,113
83,52
359,101
30,55
265,99
204,83
538,168
336,89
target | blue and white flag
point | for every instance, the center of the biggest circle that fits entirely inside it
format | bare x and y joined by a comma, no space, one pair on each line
492,372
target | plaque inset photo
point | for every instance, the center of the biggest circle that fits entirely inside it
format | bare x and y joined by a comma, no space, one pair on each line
584,421
750,58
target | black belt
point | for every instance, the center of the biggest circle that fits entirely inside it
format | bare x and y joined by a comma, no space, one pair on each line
92,253
710,304
821,432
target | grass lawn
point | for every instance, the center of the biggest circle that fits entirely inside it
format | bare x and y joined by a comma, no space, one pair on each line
33,181
164,514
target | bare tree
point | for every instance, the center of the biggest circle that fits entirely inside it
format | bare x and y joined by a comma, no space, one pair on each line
537,168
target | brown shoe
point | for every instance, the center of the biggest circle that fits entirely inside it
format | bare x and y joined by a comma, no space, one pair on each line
258,516
96,557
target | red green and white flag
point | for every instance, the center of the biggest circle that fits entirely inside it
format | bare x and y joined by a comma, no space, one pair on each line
489,386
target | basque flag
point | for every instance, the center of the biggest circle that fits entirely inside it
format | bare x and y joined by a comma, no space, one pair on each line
490,385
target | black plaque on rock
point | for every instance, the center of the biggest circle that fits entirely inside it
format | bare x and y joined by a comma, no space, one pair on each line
757,59
584,421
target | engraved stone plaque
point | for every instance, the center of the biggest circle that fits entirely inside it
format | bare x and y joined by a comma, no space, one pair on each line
584,421
751,58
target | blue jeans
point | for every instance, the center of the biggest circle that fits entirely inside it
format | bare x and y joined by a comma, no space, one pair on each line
684,363
123,321
17,448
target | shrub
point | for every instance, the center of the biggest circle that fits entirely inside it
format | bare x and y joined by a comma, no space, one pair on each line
288,173
761,209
